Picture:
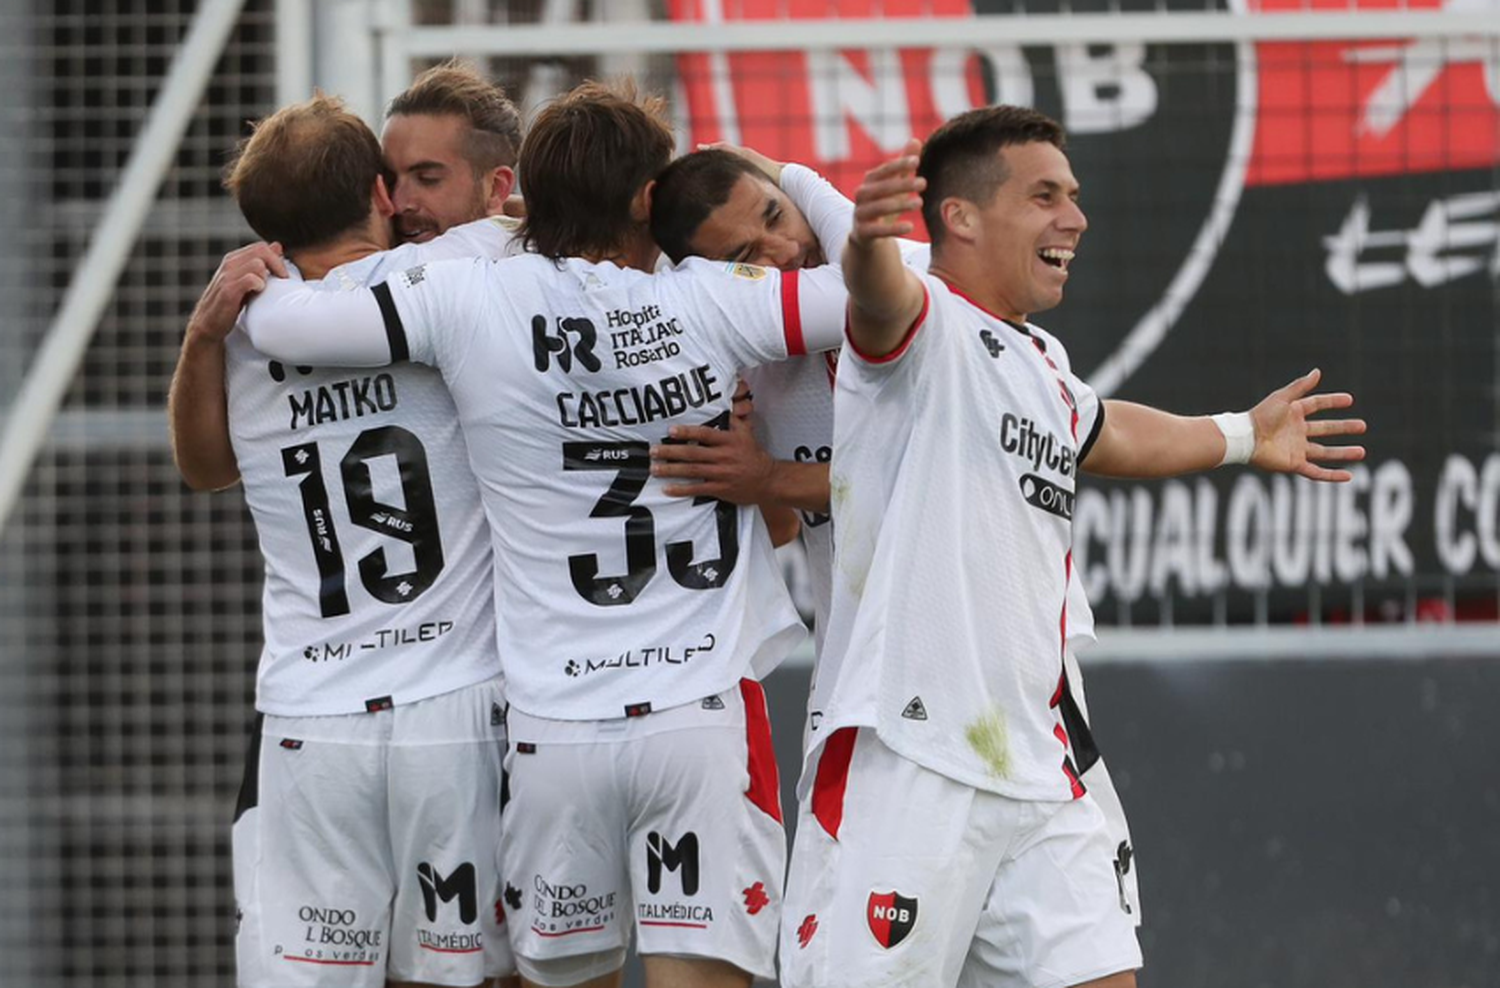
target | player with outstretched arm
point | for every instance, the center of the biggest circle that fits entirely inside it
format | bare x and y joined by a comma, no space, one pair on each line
948,836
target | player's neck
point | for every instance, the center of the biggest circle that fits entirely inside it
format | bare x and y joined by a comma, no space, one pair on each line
639,252
316,262
967,276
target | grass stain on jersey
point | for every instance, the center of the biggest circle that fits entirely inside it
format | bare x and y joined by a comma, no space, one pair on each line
854,562
838,492
990,740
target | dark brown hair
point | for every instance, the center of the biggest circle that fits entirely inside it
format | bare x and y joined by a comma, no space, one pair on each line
304,175
456,88
961,159
689,190
585,157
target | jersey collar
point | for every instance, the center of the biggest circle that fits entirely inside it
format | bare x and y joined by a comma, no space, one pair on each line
1019,327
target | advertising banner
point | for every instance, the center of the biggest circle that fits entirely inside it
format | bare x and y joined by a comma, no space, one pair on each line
1255,210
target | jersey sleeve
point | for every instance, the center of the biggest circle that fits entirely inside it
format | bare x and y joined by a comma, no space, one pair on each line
1086,401
1090,414
296,323
909,339
415,315
827,210
770,315
432,312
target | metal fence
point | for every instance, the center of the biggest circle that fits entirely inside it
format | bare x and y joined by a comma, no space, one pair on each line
129,608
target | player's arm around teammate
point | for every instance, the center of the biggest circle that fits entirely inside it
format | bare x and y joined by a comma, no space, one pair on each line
197,406
725,203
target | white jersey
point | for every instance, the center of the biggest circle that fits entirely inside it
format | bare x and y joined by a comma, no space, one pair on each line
613,599
954,468
377,560
795,398
794,404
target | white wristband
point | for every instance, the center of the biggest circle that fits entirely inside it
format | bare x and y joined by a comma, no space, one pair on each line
1239,436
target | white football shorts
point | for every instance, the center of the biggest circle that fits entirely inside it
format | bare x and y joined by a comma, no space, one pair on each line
668,822
903,877
366,847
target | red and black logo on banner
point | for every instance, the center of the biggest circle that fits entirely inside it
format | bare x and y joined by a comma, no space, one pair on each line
891,916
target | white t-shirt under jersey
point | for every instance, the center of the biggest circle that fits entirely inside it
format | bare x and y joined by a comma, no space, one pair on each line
612,598
377,558
954,469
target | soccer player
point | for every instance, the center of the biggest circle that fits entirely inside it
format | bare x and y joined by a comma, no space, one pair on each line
365,839
451,141
716,203
948,836
738,204
633,626
450,144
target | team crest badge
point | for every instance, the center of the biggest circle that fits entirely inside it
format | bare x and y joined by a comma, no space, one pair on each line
891,916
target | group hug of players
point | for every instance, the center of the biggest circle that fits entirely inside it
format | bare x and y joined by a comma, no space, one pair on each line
520,588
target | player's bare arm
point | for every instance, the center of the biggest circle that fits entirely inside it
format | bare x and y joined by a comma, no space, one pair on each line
885,296
197,409
1280,436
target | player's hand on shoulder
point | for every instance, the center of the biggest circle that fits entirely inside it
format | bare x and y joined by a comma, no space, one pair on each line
1289,440
888,191
241,274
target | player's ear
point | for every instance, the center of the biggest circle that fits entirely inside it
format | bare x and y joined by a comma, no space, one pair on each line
380,198
958,217
640,203
502,181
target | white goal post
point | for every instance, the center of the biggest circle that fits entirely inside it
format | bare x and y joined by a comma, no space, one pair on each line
31,413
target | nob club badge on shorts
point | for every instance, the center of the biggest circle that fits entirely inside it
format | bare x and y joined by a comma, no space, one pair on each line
891,917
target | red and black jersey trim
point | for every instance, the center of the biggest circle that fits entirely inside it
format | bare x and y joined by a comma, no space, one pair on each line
1088,444
1080,737
906,338
791,314
395,332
